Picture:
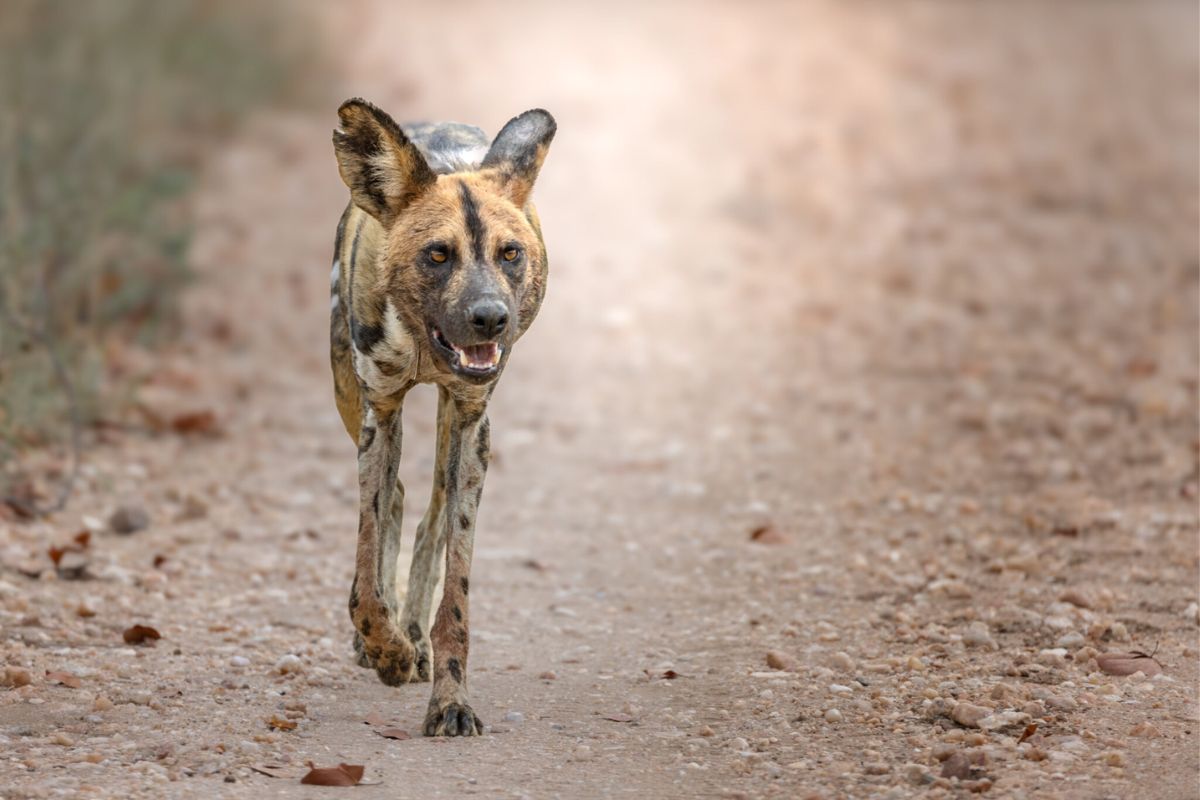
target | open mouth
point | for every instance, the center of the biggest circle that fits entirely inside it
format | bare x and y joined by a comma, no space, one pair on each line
474,359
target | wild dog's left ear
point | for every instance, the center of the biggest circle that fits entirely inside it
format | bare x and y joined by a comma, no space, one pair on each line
518,152
382,168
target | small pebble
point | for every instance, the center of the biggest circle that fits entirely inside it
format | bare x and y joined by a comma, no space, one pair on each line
1070,641
289,664
833,715
101,703
129,519
842,661
15,677
514,717
777,659
239,661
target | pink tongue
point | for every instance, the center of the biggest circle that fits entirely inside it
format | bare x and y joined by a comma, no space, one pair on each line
481,354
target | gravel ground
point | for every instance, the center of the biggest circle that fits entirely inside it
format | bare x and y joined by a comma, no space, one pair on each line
860,418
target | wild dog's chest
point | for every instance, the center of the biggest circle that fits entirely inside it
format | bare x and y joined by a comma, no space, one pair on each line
382,350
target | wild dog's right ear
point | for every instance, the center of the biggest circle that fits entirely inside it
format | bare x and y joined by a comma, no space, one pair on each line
383,169
518,152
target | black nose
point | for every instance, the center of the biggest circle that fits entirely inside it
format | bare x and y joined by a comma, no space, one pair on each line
488,317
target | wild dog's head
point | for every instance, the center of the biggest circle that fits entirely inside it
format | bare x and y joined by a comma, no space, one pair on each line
463,260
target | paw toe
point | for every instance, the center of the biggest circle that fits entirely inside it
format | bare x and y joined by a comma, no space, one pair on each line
454,720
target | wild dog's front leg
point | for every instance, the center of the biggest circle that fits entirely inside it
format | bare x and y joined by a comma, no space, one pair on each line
373,594
449,712
426,567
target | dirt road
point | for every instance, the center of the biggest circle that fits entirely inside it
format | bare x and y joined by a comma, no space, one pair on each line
914,287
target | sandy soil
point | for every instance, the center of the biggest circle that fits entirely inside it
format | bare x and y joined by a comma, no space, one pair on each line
914,287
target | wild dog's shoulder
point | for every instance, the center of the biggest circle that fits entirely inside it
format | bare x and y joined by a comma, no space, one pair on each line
448,146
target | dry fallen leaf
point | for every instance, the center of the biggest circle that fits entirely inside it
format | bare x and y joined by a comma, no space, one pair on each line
375,718
65,678
141,634
1030,730
618,717
203,422
341,775
393,733
1129,663
668,674
768,534
281,724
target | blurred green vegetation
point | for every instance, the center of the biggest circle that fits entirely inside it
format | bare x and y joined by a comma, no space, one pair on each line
108,108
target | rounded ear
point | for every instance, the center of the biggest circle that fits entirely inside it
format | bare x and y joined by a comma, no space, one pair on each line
518,151
382,168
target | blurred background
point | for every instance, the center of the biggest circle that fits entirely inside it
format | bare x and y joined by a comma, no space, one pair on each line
910,290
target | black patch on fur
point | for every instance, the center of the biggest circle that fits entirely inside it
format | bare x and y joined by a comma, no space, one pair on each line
353,262
369,434
464,521
483,442
475,229
375,503
414,631
465,584
365,336
455,670
457,612
365,627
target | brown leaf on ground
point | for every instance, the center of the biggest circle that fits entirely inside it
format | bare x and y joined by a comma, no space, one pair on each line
666,674
393,733
768,534
65,678
141,634
159,560
375,718
195,422
1030,730
79,542
341,775
1129,663
281,724
618,717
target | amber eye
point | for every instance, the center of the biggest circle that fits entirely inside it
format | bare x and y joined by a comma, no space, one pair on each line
511,253
437,256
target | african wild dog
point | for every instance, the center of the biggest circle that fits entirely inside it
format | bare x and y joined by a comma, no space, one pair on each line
439,269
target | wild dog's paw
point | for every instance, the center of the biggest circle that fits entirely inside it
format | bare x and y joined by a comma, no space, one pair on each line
387,651
395,661
451,719
424,650
360,652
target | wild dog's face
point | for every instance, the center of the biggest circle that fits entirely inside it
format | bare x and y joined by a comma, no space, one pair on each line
463,263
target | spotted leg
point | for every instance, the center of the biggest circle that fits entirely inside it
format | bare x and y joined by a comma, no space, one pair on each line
426,567
373,593
450,713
